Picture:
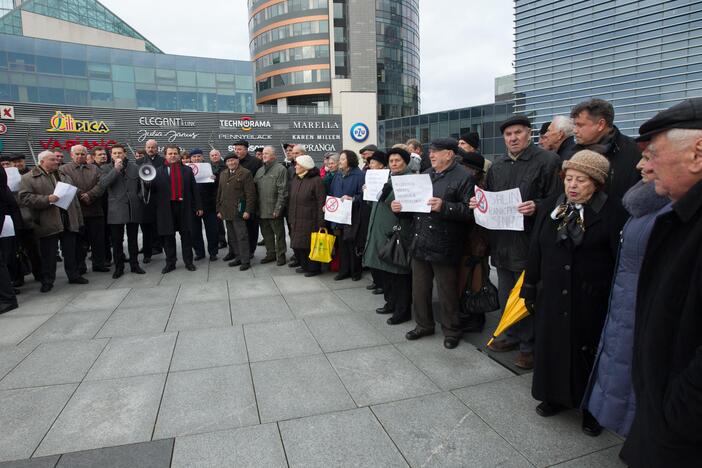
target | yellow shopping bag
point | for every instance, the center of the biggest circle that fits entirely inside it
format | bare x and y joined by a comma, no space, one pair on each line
321,245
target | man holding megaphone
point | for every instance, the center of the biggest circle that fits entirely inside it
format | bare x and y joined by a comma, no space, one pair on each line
176,199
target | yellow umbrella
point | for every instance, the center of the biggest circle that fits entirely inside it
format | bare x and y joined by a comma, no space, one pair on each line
515,310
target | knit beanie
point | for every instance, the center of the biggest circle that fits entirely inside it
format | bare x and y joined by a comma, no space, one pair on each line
305,161
593,164
403,154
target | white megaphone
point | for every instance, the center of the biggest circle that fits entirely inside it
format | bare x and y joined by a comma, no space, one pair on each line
147,172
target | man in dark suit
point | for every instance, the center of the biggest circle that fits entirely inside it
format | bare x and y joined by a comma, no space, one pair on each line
151,242
176,200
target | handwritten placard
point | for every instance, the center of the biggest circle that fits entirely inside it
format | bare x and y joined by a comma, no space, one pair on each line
413,192
375,181
497,211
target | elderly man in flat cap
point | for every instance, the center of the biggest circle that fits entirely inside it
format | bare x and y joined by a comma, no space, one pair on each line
437,240
532,170
667,366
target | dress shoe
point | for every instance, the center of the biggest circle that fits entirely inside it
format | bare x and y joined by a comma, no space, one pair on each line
281,261
78,280
46,287
384,310
294,264
7,307
474,323
371,287
356,277
525,361
418,333
101,269
146,260
235,262
341,276
590,425
546,409
378,291
228,257
502,346
396,320
167,269
190,267
137,269
244,266
267,260
261,243
299,270
310,274
118,273
213,258
451,342
199,257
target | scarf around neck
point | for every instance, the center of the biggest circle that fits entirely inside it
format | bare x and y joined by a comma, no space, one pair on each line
176,181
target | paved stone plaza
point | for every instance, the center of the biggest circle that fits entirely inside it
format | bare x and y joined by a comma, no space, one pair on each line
258,368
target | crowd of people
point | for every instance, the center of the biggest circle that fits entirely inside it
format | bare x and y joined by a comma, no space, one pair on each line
609,252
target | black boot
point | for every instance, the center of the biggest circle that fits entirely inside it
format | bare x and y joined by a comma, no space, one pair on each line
474,323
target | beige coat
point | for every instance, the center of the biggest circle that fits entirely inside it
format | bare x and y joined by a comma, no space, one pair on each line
35,188
86,178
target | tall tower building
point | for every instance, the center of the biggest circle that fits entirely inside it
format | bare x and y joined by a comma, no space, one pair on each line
313,53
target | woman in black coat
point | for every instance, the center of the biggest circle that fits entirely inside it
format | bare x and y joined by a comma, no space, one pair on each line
567,283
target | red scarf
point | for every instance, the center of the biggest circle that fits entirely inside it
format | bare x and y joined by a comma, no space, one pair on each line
176,181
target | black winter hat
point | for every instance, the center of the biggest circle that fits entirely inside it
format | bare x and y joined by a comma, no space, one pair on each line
473,139
515,120
404,154
241,143
195,151
379,156
230,155
686,115
16,156
368,148
474,160
444,144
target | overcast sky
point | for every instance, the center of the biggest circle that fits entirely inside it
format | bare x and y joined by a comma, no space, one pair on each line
465,44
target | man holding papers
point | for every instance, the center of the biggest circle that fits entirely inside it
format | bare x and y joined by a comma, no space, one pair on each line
436,240
52,223
8,210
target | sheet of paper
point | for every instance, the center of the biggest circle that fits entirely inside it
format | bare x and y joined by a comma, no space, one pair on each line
66,193
8,227
497,211
413,192
13,178
338,210
202,173
375,180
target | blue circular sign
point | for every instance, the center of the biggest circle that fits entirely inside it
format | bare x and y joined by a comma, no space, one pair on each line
359,132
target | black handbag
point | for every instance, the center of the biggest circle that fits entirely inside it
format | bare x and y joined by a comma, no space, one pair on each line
394,251
482,301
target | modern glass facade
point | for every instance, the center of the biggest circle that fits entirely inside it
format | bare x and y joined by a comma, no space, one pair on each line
484,119
642,56
83,12
51,72
397,44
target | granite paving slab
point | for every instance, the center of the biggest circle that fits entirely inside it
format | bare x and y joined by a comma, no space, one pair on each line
10,356
393,333
134,355
197,293
244,288
438,430
96,300
156,454
278,340
70,326
607,458
206,400
42,462
203,315
379,375
360,300
212,347
296,387
298,284
126,321
314,305
54,363
35,303
16,329
26,415
260,309
343,439
245,447
148,297
106,413
342,332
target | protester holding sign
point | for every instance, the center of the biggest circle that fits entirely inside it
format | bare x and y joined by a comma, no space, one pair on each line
348,184
437,242
208,196
8,210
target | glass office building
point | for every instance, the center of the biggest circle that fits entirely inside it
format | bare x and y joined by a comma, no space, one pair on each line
642,56
51,72
485,120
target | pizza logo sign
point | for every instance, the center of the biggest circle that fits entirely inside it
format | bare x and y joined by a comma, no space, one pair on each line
61,122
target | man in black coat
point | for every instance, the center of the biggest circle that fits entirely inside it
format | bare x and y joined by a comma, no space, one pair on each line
8,207
532,170
151,243
217,167
595,130
437,241
667,365
208,197
176,199
241,148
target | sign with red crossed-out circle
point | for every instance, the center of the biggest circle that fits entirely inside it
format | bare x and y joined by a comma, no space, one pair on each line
195,168
332,205
482,200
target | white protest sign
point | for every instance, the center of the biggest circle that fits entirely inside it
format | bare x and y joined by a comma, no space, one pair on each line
8,227
13,178
202,172
413,192
338,210
375,180
497,211
66,193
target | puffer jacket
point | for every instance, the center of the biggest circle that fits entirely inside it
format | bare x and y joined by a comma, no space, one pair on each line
610,395
437,237
534,173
